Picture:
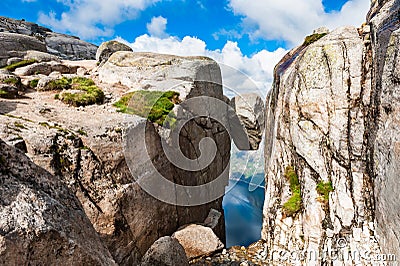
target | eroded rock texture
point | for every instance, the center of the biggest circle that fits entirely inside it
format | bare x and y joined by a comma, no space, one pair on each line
332,117
42,221
384,135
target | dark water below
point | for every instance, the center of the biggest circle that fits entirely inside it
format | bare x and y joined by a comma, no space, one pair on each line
243,204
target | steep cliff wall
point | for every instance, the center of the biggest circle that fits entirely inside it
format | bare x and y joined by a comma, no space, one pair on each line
331,156
384,135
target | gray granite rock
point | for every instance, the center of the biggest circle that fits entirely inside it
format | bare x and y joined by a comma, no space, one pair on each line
106,49
41,220
166,251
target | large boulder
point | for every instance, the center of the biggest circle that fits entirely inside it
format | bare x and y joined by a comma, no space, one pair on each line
45,68
250,110
198,240
42,222
10,85
166,251
106,49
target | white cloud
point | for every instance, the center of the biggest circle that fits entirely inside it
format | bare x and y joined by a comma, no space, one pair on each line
292,20
84,17
257,69
157,27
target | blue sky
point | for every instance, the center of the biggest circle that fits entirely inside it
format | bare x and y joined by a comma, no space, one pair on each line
250,35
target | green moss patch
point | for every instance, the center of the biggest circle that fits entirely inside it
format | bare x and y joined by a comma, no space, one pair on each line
33,83
12,81
293,205
2,92
22,63
323,189
90,94
59,84
154,105
313,38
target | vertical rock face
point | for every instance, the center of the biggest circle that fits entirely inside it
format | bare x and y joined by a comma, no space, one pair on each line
332,146
384,137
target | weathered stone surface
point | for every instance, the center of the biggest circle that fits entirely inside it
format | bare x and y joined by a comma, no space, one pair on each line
15,45
316,123
8,91
384,132
44,68
42,222
250,111
106,49
65,46
69,47
10,85
40,56
166,251
198,240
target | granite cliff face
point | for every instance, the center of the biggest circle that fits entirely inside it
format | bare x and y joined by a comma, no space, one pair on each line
331,150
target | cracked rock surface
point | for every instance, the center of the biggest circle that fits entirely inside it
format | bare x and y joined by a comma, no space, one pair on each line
41,219
333,117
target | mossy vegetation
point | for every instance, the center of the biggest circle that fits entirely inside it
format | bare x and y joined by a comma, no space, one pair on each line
59,84
154,105
11,81
33,83
293,205
90,94
82,132
3,93
323,189
313,38
19,125
22,63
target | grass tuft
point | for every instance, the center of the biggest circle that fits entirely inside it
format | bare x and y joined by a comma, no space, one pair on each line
324,188
22,63
91,94
293,205
154,105
33,83
11,81
313,38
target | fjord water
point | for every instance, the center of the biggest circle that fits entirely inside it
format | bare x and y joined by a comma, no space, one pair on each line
243,204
